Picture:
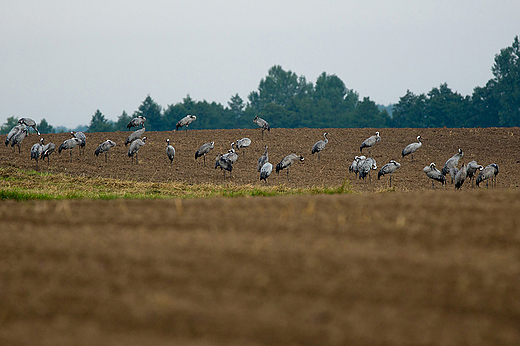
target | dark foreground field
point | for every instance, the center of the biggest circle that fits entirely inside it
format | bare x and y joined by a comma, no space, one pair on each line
498,145
411,267
416,268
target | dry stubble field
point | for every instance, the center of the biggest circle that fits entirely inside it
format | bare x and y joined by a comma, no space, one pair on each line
414,266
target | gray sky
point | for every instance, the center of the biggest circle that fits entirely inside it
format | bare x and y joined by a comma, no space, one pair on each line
62,60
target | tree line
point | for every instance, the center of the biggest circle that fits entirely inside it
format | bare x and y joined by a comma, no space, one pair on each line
287,100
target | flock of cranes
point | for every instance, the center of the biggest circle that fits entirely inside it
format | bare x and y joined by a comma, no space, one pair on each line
361,166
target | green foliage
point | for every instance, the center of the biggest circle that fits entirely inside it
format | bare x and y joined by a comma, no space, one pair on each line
99,123
152,112
287,100
122,121
8,125
506,89
44,127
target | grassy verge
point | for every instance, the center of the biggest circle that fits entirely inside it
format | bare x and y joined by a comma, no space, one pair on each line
23,185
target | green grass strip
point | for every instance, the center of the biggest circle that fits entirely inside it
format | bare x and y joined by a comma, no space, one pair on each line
23,185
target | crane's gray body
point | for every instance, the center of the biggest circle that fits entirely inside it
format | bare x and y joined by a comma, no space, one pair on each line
16,129
170,151
412,148
69,144
460,177
81,136
490,171
389,168
369,142
262,159
433,173
186,121
47,150
224,163
135,122
134,135
452,162
134,148
242,143
265,171
29,122
104,148
18,138
36,150
287,162
354,166
262,124
320,145
365,166
203,150
472,168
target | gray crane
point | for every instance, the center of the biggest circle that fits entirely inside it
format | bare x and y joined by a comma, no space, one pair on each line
36,151
369,142
354,166
320,145
18,138
186,121
81,136
460,177
389,168
231,154
135,135
30,123
47,150
135,122
472,168
262,159
433,173
203,150
69,144
266,171
243,143
412,148
17,128
365,166
287,162
104,148
170,151
134,149
224,163
452,162
490,171
263,124
453,173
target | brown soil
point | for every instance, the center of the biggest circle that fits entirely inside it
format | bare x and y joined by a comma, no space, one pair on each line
499,145
419,267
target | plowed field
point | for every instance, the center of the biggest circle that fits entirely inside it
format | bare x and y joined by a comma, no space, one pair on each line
483,145
415,266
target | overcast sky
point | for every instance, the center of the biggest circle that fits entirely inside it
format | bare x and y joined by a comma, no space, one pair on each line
62,60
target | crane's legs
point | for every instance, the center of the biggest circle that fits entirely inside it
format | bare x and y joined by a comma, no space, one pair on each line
70,155
105,157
